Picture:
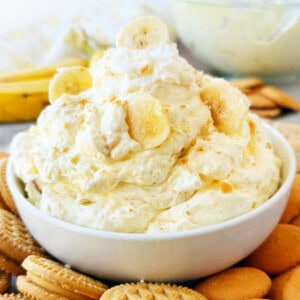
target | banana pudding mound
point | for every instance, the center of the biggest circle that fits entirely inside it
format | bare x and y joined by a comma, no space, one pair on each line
142,142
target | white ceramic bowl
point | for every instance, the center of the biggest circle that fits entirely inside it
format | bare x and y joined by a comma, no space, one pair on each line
242,38
158,257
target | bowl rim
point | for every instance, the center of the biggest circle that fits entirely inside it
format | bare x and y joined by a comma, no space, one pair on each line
15,188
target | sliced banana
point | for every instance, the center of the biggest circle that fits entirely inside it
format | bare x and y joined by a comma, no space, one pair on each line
228,106
72,81
144,32
148,124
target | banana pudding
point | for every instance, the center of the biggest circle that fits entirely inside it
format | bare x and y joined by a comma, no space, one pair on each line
142,142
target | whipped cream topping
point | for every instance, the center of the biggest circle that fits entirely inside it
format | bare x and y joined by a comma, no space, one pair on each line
214,163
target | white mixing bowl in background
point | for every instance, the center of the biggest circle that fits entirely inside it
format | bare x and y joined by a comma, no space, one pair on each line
171,257
242,38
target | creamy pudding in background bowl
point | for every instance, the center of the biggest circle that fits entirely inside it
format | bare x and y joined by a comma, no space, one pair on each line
144,168
242,38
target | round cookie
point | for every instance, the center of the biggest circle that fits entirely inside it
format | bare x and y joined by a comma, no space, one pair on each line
15,240
10,266
55,278
286,286
3,204
235,284
279,252
145,291
5,193
5,279
33,291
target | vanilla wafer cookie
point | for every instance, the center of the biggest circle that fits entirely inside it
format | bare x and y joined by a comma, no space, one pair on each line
144,291
5,279
267,113
10,266
15,241
292,209
279,252
291,132
279,97
13,296
56,278
33,291
4,190
247,83
260,102
235,283
286,286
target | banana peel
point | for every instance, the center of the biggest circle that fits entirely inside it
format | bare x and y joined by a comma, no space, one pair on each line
24,94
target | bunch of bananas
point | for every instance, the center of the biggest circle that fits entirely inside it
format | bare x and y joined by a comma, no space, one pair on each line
24,93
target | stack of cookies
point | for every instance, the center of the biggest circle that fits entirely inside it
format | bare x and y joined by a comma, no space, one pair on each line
266,101
47,279
272,271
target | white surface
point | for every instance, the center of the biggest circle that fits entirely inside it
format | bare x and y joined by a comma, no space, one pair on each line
180,256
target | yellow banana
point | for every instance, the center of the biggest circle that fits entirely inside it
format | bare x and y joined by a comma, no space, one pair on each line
41,72
23,94
21,107
25,87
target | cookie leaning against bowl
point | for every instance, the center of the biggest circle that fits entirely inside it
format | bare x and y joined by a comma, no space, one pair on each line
2,203
235,283
279,252
145,291
286,286
5,193
292,209
46,279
